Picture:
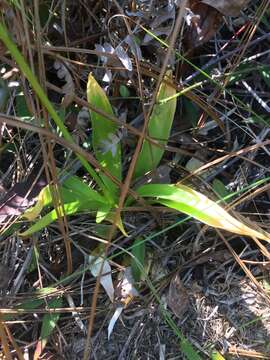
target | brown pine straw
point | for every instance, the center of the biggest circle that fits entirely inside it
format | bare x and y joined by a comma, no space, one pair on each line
244,268
4,341
13,342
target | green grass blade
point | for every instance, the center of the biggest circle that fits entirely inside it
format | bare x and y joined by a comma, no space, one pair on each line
17,56
106,142
159,128
195,204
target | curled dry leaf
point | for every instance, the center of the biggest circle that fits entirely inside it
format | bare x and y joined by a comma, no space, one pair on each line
177,297
203,22
227,7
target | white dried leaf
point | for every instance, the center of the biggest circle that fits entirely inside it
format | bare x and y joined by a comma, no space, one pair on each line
123,57
105,48
125,293
135,48
107,76
114,318
125,289
106,274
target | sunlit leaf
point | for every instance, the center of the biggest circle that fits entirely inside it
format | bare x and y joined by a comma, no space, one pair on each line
69,209
102,131
44,199
76,185
216,356
159,128
102,213
195,204
49,322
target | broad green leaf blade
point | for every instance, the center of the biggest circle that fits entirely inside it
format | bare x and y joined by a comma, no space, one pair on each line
49,322
220,188
102,212
73,189
76,185
195,204
69,209
104,134
159,128
44,199
138,252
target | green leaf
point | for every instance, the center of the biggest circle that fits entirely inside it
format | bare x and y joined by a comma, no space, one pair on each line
73,189
138,252
76,185
104,131
21,106
195,204
124,92
69,209
4,94
191,111
220,188
159,128
102,212
188,350
49,322
44,199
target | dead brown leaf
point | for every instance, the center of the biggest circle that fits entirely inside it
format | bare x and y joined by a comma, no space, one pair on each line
227,7
203,22
177,298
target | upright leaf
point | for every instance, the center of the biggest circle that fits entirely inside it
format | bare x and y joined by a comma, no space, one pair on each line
159,128
195,204
103,132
